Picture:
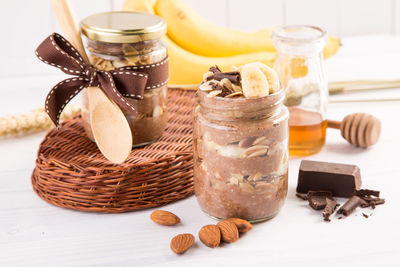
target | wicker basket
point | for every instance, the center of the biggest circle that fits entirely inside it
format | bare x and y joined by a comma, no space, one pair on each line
71,172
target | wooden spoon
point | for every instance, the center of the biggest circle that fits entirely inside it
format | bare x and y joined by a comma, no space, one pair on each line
109,126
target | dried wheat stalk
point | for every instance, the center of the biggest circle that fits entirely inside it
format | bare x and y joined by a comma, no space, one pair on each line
34,121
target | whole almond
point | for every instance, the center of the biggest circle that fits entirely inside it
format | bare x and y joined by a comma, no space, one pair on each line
181,243
164,217
243,226
210,235
229,231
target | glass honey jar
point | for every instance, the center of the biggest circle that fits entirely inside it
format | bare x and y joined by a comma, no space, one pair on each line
300,66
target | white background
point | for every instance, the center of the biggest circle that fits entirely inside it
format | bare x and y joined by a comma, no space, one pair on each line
34,233
25,23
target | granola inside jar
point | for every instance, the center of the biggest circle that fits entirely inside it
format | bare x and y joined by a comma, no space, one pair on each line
128,39
240,148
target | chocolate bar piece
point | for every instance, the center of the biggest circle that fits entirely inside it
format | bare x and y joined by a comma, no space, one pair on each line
329,209
350,205
340,179
317,199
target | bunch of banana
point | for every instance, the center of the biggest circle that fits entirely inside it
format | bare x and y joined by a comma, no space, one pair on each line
194,44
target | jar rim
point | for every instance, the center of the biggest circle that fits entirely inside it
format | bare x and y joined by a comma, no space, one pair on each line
222,108
299,33
123,27
274,97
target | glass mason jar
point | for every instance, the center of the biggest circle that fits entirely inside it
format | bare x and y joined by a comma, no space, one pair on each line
118,39
300,66
241,156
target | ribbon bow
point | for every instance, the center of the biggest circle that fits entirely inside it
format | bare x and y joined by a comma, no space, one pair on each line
116,84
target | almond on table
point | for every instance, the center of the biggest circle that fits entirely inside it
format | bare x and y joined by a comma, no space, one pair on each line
243,226
210,235
164,217
229,231
181,243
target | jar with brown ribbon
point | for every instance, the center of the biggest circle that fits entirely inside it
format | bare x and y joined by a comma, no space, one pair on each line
131,41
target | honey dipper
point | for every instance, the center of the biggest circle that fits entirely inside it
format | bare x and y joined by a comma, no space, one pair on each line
359,129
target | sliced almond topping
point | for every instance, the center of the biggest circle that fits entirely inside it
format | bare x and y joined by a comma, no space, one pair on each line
235,94
247,188
207,75
237,88
214,93
265,187
234,181
255,177
262,140
256,151
207,86
237,176
227,83
247,142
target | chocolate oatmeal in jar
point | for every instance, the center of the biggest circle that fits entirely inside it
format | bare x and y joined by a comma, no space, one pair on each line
131,41
241,143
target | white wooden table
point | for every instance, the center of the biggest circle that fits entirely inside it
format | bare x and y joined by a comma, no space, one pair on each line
35,233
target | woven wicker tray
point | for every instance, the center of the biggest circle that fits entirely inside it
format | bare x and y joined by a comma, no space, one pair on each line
71,172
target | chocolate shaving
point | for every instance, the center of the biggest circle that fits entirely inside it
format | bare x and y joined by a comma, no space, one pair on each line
379,201
371,198
216,86
214,69
227,90
365,215
366,192
233,76
317,199
329,209
351,205
302,196
372,202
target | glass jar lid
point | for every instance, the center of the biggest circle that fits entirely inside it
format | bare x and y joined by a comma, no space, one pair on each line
299,33
299,39
123,27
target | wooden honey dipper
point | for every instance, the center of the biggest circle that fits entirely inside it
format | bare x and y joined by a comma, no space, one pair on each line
359,129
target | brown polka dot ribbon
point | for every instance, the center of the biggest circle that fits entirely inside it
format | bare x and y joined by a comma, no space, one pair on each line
129,81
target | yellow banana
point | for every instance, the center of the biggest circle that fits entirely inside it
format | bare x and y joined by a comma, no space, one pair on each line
145,6
332,46
188,68
195,34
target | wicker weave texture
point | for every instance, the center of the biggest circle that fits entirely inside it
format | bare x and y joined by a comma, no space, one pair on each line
71,172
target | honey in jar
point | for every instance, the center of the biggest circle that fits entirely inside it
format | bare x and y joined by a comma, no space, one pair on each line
301,71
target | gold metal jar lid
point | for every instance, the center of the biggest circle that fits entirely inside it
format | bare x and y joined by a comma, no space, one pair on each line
123,27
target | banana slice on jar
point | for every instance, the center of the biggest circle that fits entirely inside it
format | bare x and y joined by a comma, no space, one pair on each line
272,77
254,81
